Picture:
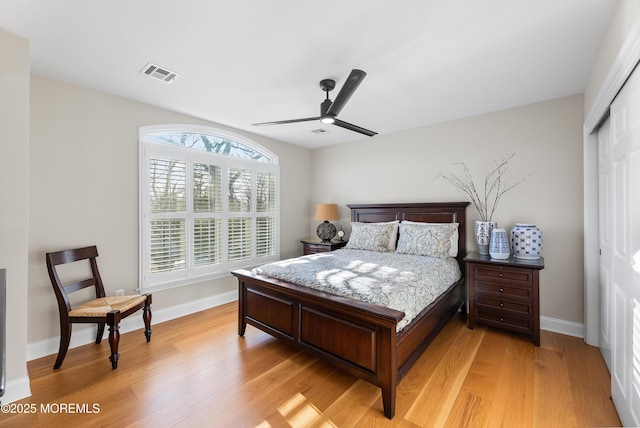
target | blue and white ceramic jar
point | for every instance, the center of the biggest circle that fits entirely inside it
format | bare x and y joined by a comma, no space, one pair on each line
499,245
526,241
483,235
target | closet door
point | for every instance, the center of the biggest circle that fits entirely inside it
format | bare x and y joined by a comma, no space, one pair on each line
605,226
625,251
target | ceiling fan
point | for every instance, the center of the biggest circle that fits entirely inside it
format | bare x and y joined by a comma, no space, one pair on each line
329,110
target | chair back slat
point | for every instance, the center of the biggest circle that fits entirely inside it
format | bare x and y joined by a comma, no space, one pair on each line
69,256
76,286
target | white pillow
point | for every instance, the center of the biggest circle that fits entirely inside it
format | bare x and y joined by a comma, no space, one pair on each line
428,239
380,237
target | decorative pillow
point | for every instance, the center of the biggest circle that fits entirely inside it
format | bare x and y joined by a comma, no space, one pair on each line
453,252
393,240
373,236
426,239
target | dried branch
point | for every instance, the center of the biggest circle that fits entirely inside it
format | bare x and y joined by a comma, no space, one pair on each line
494,186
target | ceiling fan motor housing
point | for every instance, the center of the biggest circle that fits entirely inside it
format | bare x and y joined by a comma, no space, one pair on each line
324,107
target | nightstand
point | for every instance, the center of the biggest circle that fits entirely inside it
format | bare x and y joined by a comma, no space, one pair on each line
504,293
313,246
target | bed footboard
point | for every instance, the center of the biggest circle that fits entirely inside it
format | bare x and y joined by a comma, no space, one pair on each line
354,336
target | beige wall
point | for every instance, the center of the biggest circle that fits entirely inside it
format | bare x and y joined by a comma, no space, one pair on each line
84,191
547,140
626,17
14,210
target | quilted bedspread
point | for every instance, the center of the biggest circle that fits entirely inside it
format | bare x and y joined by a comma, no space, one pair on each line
407,283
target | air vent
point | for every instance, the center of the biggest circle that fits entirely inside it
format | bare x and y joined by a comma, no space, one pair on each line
163,74
319,131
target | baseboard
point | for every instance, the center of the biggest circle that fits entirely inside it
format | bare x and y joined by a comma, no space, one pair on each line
561,326
88,335
16,390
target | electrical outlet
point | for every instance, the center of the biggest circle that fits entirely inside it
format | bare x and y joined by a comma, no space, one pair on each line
119,292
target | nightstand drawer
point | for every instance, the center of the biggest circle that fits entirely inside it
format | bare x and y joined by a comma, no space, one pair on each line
506,321
504,305
508,291
315,248
514,276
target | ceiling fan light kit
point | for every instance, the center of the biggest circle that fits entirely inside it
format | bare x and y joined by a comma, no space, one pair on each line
329,110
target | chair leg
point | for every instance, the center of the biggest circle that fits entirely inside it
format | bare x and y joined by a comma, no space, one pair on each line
113,319
146,316
65,339
100,333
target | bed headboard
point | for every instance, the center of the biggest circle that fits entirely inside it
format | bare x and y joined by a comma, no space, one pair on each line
426,212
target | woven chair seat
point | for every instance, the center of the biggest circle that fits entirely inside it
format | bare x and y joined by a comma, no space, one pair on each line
100,307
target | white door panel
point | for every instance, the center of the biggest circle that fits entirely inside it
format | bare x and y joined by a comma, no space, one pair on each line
620,238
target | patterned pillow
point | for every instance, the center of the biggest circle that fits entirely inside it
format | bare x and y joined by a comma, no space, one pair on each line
433,240
373,236
453,251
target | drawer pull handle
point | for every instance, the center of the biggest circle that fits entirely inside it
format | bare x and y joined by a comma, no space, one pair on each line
501,319
500,274
501,304
501,290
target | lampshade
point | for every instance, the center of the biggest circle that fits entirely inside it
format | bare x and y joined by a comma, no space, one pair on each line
326,212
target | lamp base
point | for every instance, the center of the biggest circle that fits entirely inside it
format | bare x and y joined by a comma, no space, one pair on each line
326,231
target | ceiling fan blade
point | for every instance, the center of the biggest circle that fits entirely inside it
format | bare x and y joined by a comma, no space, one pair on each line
350,127
349,87
281,122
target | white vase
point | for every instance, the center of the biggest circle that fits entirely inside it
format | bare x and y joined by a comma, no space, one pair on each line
499,245
483,235
526,241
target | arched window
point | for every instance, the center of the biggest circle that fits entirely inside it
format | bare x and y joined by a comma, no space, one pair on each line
209,204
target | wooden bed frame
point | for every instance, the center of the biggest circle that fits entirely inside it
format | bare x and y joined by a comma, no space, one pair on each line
359,338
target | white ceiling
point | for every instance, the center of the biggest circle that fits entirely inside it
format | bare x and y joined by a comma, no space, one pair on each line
251,61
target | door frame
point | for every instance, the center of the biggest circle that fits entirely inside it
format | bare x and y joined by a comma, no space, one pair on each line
625,62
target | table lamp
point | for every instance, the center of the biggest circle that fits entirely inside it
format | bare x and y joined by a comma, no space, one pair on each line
325,212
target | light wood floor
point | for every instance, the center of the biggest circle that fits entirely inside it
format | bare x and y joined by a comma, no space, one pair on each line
197,372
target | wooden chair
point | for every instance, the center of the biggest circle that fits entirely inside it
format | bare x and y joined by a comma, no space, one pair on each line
102,310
